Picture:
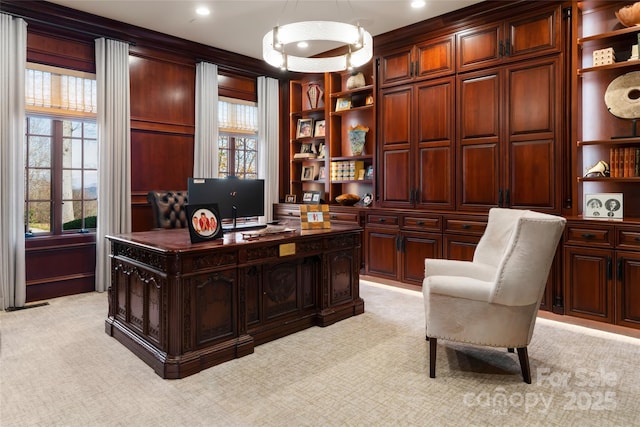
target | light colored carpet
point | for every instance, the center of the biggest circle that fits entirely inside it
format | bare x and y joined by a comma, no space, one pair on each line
59,368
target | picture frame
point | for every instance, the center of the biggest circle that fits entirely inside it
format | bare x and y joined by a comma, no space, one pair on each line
290,198
308,173
323,173
367,199
304,128
319,129
205,223
311,197
369,100
314,217
603,205
306,148
369,173
343,104
321,151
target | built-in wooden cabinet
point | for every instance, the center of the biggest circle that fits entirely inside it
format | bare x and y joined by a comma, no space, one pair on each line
602,272
396,244
523,36
416,145
509,137
431,59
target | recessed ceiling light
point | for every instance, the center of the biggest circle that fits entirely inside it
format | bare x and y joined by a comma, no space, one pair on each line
203,11
416,4
303,45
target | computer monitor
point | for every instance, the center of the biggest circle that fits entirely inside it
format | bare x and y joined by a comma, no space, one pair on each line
236,198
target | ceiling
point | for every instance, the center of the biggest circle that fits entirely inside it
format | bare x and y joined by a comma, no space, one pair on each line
239,25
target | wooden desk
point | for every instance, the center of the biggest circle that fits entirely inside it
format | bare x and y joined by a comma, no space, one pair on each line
184,307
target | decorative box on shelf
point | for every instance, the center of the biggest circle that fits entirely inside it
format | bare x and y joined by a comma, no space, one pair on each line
604,57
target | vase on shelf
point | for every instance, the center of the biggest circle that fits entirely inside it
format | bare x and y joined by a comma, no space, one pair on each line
314,95
357,138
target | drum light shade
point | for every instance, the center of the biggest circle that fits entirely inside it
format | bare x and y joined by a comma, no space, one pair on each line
359,42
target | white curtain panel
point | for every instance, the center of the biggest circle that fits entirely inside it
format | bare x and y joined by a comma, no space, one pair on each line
268,151
13,61
205,152
114,151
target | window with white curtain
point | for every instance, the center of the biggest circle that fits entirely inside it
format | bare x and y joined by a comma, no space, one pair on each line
237,138
61,151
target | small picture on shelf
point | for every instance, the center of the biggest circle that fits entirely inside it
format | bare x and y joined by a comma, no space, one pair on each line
311,197
290,198
369,100
321,151
343,104
306,148
307,173
323,173
319,129
305,128
369,173
603,205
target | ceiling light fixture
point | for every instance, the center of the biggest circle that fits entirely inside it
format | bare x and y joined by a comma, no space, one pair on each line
203,11
417,4
358,41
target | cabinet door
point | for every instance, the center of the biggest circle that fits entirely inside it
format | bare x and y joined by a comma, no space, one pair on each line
533,34
395,147
480,47
382,253
434,109
478,154
396,67
533,103
415,248
588,283
459,247
628,289
435,58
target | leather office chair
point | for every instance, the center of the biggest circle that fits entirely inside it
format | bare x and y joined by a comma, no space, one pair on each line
494,299
169,208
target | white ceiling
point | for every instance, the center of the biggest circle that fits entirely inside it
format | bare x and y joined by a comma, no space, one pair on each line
239,25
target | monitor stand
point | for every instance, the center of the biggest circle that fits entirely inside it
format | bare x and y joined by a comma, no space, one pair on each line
244,227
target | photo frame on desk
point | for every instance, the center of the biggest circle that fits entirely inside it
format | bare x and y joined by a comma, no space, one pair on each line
314,217
603,205
204,222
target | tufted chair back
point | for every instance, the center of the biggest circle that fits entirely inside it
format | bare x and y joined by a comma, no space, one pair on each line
169,208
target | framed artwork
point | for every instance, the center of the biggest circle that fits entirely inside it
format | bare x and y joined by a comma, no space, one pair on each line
308,173
321,151
204,222
306,148
305,128
343,104
311,197
367,199
369,100
314,217
319,130
290,198
603,205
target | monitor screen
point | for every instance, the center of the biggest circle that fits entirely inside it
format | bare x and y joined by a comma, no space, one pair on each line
236,198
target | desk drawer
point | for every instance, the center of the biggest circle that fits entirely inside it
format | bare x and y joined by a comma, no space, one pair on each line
421,223
628,239
587,235
465,226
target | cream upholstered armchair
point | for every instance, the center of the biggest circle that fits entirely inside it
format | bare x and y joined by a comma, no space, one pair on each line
493,300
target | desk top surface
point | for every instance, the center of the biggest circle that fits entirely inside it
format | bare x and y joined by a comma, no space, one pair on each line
178,240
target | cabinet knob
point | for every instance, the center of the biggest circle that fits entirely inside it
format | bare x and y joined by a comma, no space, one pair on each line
420,222
466,226
588,235
637,239
381,220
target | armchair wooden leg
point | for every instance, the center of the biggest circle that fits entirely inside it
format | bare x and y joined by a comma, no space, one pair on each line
432,357
524,364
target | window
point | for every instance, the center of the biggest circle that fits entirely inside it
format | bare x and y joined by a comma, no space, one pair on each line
61,151
237,139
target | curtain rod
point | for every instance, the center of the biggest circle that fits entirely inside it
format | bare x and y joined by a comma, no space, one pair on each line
76,30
